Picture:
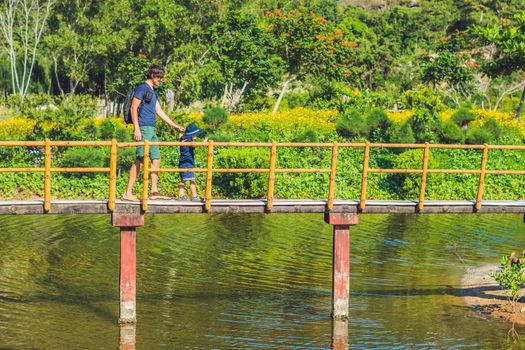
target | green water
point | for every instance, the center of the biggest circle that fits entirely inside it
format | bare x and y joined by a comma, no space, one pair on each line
249,281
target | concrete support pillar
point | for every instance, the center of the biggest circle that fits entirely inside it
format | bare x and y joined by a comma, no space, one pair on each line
128,264
128,274
341,262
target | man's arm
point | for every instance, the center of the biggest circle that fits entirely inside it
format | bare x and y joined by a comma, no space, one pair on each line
135,118
167,119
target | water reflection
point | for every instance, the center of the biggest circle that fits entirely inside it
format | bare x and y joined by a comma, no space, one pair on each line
339,335
127,336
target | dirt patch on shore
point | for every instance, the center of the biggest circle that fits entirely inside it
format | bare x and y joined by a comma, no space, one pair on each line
484,294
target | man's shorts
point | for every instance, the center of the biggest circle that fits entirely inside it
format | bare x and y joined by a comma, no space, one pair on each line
148,134
186,175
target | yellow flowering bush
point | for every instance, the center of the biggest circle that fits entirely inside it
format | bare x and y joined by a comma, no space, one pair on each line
505,120
399,117
447,114
321,121
15,128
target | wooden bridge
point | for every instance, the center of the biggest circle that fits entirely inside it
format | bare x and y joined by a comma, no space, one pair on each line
269,204
341,214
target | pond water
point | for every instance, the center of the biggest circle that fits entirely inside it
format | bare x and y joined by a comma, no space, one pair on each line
249,281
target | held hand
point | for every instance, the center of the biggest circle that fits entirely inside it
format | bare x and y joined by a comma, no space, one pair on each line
205,139
180,129
137,135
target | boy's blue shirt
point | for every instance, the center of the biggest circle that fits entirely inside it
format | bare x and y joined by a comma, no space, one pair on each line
187,154
147,114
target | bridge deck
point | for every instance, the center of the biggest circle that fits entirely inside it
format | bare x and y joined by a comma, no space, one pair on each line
258,206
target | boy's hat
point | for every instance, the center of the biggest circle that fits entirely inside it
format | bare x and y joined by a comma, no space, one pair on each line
191,130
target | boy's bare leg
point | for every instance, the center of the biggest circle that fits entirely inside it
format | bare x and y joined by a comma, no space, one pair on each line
133,173
193,188
182,186
155,164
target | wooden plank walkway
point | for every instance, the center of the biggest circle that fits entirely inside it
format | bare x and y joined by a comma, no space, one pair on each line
259,206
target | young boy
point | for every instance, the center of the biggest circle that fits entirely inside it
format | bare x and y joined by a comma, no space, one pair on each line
187,161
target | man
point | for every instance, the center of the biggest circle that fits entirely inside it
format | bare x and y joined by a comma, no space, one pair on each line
144,109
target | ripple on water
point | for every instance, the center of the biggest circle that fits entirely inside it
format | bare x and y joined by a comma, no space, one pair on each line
247,281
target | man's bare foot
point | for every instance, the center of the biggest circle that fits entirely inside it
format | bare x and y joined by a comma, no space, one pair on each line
156,195
130,198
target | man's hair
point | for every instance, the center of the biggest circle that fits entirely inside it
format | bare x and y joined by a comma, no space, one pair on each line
155,71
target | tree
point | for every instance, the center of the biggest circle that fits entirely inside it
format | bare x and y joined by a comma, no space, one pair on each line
194,74
22,24
163,25
310,45
83,35
244,52
510,42
452,66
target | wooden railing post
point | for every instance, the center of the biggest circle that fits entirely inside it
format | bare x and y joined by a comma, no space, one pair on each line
341,262
364,178
47,175
146,177
112,175
423,177
331,187
209,175
271,177
482,175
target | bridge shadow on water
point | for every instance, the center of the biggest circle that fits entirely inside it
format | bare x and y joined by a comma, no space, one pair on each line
481,292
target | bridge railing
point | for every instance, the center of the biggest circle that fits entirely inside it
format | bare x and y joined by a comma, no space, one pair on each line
271,169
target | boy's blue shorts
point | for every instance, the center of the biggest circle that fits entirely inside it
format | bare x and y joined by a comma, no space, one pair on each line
187,175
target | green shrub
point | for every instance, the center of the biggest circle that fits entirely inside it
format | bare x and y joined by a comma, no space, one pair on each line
220,137
423,99
329,94
29,104
107,129
125,158
255,103
403,134
510,277
452,133
242,185
297,99
215,117
122,135
378,125
351,124
463,116
426,125
309,135
77,106
478,136
83,157
90,130
493,128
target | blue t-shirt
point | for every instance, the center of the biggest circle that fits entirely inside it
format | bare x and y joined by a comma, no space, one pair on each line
187,154
147,107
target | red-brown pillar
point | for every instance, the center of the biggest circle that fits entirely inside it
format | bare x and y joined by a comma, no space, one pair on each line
339,335
128,264
341,262
127,336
